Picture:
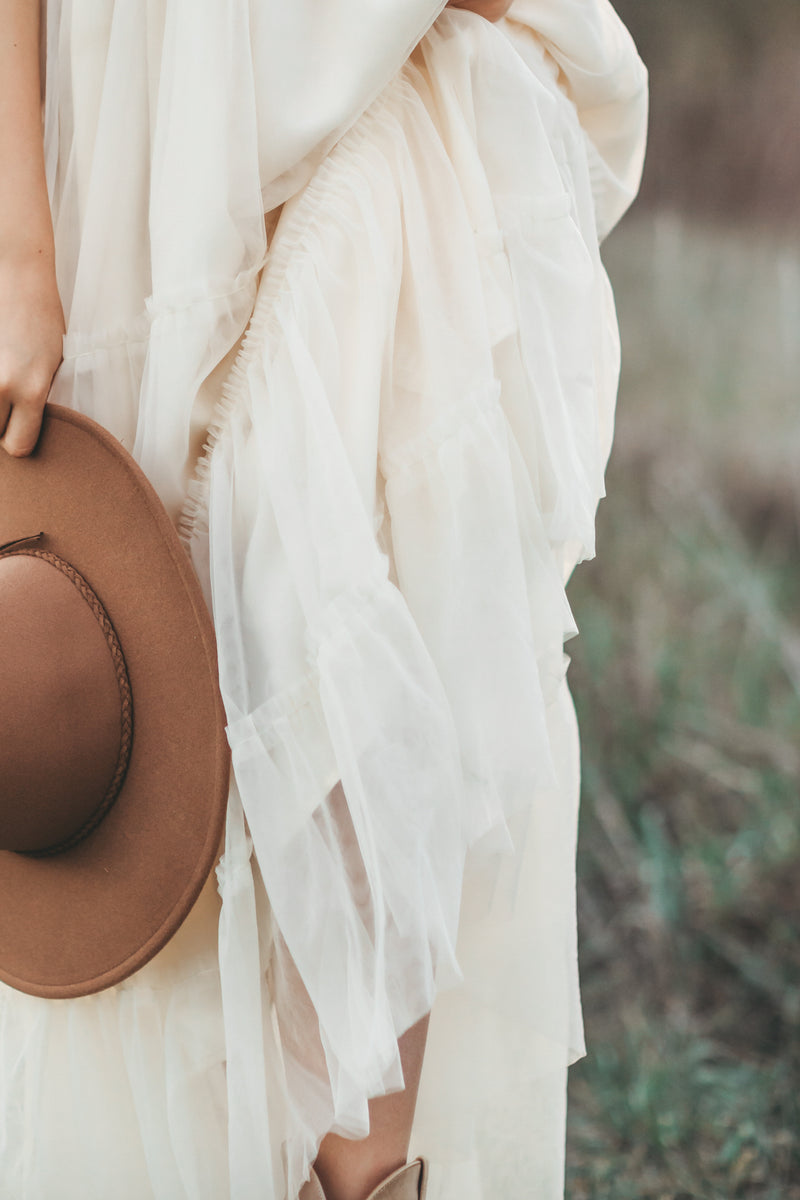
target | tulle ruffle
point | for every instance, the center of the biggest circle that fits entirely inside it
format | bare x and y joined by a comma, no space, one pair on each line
146,1058
404,629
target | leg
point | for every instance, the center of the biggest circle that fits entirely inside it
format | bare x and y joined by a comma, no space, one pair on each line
349,1170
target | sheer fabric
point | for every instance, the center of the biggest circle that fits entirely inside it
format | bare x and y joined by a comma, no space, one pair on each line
407,402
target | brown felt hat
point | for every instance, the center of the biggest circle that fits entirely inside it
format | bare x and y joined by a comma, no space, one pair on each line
113,759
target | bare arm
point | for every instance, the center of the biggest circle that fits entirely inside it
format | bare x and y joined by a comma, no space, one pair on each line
31,320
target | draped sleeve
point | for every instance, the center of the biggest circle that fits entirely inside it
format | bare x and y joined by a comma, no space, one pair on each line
319,65
607,82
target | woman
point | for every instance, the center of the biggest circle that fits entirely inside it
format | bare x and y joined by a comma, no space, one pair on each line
381,419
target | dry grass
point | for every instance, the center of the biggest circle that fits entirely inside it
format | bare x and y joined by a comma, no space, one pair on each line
687,679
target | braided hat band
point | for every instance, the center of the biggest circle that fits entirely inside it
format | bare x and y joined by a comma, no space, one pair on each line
23,547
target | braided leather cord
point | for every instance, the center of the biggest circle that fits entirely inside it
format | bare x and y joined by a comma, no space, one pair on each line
21,547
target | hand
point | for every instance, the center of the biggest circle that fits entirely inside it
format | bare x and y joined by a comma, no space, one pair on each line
31,333
492,10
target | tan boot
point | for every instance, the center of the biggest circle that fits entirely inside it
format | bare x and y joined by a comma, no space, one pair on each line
312,1189
408,1183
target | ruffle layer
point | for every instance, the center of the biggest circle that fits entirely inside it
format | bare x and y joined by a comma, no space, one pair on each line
160,1042
404,632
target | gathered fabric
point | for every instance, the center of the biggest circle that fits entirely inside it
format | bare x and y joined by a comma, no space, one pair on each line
380,420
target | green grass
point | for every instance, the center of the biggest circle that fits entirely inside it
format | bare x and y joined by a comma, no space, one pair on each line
687,681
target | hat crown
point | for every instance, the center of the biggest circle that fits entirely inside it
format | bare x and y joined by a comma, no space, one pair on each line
62,706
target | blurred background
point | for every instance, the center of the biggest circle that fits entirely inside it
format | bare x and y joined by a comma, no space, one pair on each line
687,671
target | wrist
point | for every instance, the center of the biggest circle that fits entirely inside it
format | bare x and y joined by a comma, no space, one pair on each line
28,285
26,232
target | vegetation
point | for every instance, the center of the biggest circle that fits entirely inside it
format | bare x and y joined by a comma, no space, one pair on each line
687,671
687,681
725,105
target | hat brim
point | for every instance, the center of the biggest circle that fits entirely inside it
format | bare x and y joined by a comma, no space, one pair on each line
83,920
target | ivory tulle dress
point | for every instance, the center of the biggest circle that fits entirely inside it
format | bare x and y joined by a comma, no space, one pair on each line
381,419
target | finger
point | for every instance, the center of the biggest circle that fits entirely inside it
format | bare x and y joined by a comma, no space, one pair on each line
5,412
22,431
